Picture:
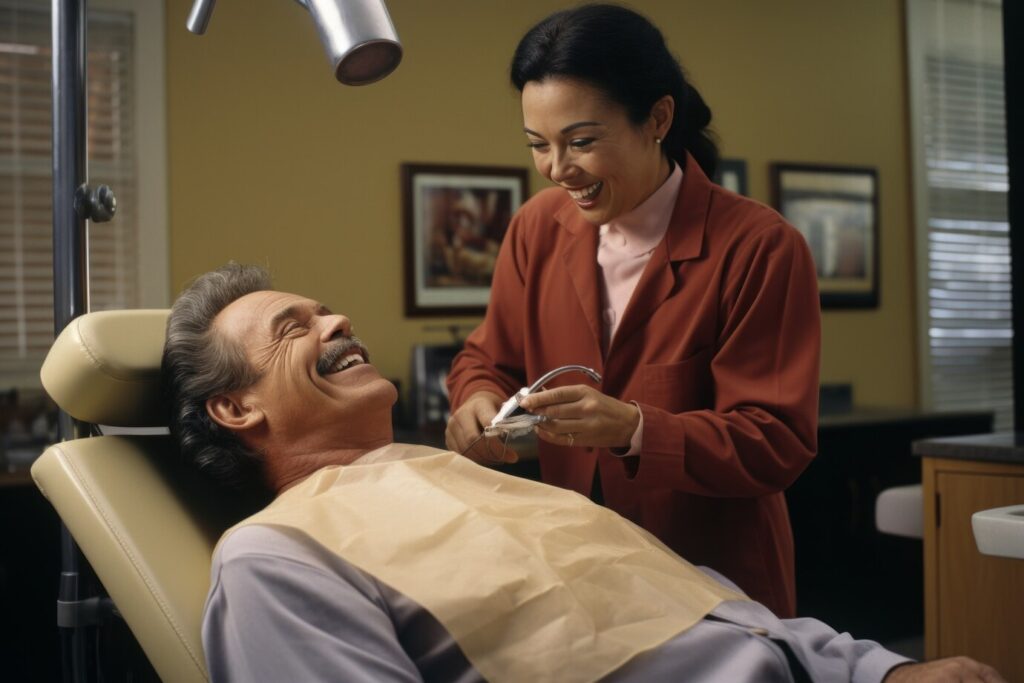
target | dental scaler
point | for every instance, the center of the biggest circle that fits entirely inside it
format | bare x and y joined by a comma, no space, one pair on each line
513,421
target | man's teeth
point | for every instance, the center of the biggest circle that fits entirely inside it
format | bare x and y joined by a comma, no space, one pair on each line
586,193
348,361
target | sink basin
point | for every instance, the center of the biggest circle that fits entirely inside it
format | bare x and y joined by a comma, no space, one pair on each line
1000,531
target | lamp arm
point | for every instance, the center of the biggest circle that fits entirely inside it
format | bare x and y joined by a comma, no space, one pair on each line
199,17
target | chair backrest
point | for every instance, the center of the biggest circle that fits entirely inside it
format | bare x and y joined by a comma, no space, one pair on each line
145,521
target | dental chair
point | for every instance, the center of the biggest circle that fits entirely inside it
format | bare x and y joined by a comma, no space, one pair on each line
145,521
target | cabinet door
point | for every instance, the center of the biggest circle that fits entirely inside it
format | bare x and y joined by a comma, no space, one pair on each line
981,598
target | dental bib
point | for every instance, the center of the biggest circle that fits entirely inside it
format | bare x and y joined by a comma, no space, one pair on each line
534,583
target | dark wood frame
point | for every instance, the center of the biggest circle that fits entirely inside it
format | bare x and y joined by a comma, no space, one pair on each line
414,308
737,166
428,362
833,298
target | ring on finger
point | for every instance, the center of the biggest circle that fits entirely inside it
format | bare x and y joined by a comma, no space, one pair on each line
572,437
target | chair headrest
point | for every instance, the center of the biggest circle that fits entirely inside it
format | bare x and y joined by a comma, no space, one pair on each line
104,368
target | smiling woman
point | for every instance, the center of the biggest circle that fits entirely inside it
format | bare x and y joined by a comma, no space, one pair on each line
697,306
608,164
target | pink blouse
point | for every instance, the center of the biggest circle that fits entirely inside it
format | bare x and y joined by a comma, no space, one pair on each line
624,248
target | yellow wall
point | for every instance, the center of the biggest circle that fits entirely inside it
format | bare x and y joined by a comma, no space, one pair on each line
272,162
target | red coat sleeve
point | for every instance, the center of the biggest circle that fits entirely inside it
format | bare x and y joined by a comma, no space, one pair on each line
762,432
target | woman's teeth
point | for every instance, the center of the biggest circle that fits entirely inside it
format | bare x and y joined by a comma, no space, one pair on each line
348,361
586,193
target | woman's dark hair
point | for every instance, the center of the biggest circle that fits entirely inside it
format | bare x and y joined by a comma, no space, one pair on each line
624,55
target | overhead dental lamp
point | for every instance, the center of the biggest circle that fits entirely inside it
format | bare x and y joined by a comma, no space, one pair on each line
358,35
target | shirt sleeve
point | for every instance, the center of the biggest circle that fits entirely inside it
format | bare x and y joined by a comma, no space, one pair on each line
824,654
762,431
636,441
269,618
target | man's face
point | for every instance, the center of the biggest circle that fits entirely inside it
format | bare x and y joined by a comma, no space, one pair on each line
316,387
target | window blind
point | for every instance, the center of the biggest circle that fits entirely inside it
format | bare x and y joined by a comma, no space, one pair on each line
969,325
26,275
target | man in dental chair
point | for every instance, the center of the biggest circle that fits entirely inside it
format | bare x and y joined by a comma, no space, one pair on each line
388,562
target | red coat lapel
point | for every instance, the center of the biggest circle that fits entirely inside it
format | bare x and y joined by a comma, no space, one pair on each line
580,257
683,241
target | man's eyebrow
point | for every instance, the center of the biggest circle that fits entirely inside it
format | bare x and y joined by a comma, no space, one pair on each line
568,129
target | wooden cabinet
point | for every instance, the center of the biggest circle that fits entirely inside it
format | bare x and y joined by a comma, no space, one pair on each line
974,603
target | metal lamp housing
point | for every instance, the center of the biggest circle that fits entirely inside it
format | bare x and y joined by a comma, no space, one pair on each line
361,42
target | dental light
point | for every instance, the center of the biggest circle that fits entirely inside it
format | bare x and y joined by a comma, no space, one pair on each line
358,35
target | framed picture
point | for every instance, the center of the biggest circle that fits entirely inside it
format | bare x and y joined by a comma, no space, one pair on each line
455,219
836,209
732,175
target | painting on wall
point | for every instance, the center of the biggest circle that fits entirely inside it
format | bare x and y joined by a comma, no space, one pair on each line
732,175
836,210
455,219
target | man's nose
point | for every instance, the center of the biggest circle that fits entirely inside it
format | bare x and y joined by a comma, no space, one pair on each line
334,326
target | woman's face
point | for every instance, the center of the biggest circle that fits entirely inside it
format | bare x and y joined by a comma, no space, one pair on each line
585,143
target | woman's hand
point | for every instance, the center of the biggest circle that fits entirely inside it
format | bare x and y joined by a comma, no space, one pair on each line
580,415
467,424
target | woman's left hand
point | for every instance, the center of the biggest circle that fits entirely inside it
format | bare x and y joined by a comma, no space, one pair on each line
580,415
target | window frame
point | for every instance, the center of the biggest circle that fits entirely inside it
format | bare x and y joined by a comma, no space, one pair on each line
150,114
916,22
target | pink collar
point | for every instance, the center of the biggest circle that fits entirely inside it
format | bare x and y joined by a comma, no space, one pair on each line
640,230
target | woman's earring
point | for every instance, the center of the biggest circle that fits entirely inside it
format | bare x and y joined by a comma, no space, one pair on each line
657,141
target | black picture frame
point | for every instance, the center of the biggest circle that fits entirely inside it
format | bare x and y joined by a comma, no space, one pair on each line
455,217
836,210
732,175
429,392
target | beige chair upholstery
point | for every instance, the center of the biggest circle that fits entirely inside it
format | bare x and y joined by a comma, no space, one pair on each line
145,521
104,368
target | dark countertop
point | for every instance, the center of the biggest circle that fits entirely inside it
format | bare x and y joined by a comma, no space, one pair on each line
868,416
1005,447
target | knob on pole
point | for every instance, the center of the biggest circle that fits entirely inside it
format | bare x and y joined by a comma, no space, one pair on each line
97,205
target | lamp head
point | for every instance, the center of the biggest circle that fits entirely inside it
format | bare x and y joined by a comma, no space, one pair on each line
358,35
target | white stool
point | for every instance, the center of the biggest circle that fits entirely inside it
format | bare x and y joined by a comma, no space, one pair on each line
899,511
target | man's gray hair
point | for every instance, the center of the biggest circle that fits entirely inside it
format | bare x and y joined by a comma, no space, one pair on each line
200,363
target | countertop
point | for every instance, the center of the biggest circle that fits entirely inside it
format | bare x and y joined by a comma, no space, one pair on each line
1005,447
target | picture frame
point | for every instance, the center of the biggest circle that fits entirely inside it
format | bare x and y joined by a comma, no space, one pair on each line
455,218
732,175
836,210
430,401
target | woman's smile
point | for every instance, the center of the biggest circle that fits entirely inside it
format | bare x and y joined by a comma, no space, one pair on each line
586,197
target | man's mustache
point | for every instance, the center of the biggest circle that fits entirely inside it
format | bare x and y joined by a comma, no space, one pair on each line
338,349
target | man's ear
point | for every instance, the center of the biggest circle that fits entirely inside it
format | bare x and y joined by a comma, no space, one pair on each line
230,412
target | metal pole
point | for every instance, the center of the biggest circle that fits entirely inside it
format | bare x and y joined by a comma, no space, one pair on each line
70,262
70,247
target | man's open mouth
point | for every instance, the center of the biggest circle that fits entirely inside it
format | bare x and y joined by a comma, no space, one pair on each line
342,357
347,362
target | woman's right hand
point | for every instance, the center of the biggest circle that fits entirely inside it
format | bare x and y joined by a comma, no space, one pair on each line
467,424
